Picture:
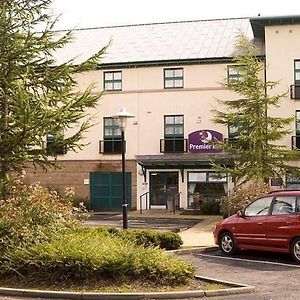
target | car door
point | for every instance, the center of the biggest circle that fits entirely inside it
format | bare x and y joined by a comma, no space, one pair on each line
282,222
251,228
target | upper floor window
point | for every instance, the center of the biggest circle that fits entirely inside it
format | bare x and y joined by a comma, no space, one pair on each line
111,136
297,71
233,131
173,78
174,126
233,74
174,141
237,136
111,128
113,81
54,144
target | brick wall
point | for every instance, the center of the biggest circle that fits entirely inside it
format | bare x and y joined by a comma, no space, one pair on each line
73,173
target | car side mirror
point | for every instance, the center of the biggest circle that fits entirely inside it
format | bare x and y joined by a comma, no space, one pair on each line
240,213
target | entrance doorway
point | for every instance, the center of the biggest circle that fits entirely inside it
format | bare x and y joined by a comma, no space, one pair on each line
163,186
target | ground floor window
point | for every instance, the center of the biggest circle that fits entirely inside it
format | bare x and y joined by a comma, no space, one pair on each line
204,186
292,182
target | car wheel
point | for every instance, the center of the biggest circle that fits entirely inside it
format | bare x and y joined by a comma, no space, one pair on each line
227,243
295,250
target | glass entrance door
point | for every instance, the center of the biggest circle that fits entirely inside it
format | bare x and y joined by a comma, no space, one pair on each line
163,186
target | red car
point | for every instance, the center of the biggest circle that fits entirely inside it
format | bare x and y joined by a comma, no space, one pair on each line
270,223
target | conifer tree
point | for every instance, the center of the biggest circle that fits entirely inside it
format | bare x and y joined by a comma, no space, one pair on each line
37,96
255,148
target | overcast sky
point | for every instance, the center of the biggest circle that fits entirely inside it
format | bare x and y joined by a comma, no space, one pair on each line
96,13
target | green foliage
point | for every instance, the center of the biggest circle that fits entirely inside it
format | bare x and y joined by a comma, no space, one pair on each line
79,209
40,239
38,96
84,255
33,214
255,150
163,240
210,207
242,196
147,238
77,202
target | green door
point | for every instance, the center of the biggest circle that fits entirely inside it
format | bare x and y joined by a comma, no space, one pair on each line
106,191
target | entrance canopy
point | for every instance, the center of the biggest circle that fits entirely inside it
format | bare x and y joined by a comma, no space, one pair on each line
182,161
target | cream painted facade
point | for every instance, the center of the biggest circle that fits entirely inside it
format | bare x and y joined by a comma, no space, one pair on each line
143,94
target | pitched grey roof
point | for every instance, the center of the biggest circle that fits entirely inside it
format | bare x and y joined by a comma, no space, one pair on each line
191,40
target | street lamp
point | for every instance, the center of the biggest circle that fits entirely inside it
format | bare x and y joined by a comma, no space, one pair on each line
122,116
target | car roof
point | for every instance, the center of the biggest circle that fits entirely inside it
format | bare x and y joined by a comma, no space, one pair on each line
286,192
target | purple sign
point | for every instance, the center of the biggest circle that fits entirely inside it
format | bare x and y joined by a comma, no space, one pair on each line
203,141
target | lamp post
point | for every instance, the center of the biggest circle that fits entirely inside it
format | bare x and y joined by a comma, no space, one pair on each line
122,116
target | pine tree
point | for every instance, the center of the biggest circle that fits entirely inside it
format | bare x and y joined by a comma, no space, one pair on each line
255,149
36,95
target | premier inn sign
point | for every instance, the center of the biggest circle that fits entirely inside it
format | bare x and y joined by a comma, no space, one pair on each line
203,141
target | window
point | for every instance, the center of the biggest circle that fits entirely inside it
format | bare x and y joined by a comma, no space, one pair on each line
111,128
284,205
297,71
233,131
173,78
174,135
296,138
174,126
260,207
112,141
297,122
54,145
295,88
237,136
113,81
205,186
233,74
292,181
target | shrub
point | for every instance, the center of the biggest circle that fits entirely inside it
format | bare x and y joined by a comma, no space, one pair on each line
210,207
84,256
163,240
78,201
242,196
98,231
147,238
33,214
169,240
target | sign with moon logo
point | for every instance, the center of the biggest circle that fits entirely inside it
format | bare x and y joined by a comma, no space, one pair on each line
202,141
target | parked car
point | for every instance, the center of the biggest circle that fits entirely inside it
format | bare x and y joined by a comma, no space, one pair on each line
270,223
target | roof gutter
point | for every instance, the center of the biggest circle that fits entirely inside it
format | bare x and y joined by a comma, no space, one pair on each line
173,62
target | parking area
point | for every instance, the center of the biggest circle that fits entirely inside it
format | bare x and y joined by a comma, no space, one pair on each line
157,223
275,276
264,258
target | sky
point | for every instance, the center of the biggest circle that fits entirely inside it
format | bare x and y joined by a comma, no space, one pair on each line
98,13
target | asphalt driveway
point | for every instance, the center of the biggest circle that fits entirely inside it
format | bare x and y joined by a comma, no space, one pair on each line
276,277
158,223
